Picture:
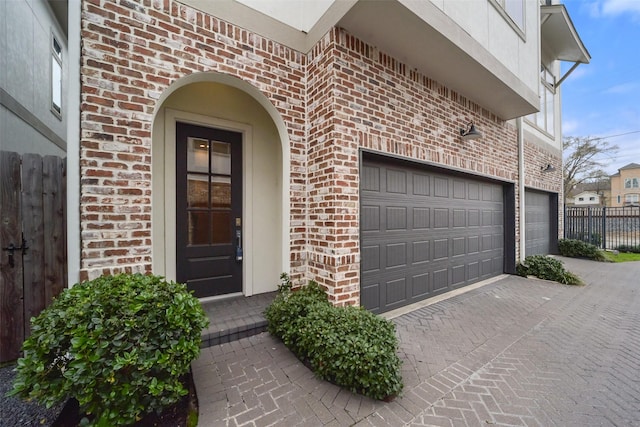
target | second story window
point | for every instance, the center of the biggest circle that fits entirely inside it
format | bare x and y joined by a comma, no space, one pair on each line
56,77
513,11
631,183
545,118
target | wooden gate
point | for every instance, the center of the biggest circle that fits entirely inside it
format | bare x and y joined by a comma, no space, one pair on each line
33,242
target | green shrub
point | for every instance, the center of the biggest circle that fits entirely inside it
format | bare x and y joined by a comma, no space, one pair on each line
594,238
547,268
348,346
578,248
289,309
629,248
118,344
353,348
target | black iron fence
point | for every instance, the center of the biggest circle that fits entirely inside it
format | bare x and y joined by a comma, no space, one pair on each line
607,228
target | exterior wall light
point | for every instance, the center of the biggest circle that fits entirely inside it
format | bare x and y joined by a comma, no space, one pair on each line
470,132
548,168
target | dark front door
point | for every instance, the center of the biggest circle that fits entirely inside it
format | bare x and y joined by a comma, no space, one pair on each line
209,209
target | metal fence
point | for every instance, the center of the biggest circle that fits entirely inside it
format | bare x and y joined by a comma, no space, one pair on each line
607,228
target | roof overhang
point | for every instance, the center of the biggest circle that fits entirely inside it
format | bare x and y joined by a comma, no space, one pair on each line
559,38
423,37
416,33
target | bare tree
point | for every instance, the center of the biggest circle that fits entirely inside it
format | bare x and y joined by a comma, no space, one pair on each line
584,160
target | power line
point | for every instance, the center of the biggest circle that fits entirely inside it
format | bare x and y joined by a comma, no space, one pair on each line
616,135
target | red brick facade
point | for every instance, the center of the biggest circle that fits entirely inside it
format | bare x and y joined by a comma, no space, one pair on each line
342,96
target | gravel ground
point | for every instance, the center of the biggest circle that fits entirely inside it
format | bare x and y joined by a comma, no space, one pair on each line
18,413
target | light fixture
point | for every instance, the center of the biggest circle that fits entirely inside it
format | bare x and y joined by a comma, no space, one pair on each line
548,168
470,132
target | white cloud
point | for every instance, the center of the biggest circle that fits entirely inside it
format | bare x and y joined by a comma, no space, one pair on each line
620,7
570,126
624,88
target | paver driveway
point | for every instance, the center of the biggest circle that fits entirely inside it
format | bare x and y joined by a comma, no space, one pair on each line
515,352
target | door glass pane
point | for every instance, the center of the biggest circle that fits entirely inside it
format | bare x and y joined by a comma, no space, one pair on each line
221,231
221,192
197,191
220,158
198,227
198,155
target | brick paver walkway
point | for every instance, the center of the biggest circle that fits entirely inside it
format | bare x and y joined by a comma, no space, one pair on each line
520,352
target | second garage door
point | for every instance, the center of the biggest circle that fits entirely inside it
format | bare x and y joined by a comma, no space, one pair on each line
425,232
540,222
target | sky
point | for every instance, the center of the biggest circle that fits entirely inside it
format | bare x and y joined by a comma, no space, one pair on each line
602,98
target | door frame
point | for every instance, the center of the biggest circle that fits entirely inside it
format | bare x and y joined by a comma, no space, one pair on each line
167,216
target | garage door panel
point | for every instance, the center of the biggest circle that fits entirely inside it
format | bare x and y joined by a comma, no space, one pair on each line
370,296
421,218
420,285
370,258
396,255
440,280
424,233
370,218
396,218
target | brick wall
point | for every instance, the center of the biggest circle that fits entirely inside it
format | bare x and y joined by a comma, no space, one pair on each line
379,104
535,158
131,53
342,96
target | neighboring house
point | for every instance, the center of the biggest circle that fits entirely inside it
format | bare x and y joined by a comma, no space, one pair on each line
33,78
596,193
587,198
390,150
625,186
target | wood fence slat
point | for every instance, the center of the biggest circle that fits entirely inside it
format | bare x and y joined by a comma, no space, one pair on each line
11,291
55,259
33,232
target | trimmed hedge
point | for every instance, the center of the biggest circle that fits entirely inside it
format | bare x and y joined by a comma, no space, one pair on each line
544,267
118,344
629,248
348,346
580,249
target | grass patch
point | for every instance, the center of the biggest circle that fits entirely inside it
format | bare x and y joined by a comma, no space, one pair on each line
622,256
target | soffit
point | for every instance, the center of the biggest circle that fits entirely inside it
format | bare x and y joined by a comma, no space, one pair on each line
416,33
423,37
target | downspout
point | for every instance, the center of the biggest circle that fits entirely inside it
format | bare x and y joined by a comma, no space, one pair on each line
73,142
521,204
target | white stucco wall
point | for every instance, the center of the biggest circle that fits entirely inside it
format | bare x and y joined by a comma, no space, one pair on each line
26,29
301,15
483,21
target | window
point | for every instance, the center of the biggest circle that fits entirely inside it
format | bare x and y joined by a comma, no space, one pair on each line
545,118
618,198
56,77
513,11
581,199
631,198
631,183
592,199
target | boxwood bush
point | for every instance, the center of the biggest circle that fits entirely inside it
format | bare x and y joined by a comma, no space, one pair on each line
348,346
578,248
118,344
545,267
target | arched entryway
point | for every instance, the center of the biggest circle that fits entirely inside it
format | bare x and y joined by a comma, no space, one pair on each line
220,187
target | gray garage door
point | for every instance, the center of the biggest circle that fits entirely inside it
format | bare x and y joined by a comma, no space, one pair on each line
425,232
537,219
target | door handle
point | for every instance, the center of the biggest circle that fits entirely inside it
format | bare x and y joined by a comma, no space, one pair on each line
12,248
238,245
